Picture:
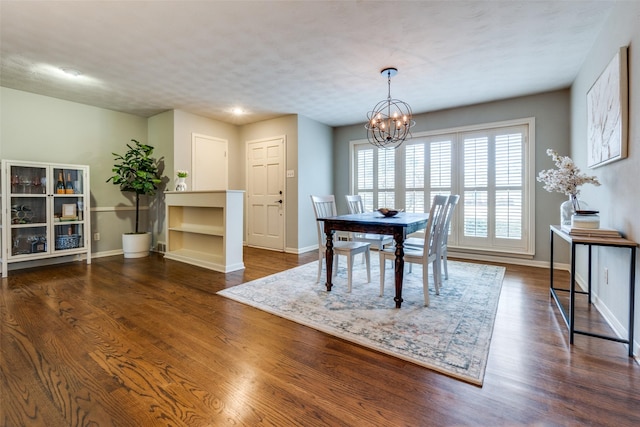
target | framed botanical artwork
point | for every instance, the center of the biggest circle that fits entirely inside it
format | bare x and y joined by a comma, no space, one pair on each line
608,113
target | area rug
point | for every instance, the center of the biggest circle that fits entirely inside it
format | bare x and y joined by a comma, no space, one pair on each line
451,336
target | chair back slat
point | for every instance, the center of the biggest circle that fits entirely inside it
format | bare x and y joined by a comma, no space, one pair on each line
323,206
451,205
354,203
433,232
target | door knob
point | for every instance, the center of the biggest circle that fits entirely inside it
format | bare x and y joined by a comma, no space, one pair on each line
279,201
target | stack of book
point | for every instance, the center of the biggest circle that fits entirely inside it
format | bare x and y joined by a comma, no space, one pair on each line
590,232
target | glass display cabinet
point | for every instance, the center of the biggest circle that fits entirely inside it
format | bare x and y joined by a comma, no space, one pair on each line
45,211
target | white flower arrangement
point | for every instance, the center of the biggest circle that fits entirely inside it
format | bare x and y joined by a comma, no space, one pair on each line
182,173
567,178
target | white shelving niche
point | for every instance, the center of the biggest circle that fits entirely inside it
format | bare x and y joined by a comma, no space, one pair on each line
39,220
204,228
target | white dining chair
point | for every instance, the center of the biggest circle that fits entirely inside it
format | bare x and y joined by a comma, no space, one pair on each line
451,206
377,241
426,255
415,242
325,206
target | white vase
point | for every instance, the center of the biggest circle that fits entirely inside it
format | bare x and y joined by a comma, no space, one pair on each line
568,208
181,184
136,245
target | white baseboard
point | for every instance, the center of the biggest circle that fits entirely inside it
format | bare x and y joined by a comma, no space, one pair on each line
299,251
106,253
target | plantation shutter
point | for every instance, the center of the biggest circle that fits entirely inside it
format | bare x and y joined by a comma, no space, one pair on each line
488,166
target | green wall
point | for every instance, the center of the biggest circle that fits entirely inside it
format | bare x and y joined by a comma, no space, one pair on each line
45,129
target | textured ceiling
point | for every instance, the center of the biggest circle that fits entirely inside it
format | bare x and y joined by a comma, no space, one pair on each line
319,59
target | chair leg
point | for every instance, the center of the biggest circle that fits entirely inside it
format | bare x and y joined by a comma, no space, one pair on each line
437,276
320,259
349,271
425,284
444,265
367,256
383,262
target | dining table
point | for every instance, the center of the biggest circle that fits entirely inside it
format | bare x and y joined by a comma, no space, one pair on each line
399,226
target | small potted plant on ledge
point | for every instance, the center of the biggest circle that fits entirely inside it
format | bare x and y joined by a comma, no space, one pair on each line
181,184
138,172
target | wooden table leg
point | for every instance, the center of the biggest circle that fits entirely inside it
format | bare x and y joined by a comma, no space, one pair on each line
329,257
399,264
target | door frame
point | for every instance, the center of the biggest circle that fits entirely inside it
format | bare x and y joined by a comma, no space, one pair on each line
284,188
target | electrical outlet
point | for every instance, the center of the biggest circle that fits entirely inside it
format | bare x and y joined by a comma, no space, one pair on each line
606,276
96,236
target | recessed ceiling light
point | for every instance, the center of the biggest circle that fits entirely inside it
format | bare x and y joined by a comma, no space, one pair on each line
237,111
71,72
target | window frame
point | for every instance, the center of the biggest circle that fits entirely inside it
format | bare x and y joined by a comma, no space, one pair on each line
524,247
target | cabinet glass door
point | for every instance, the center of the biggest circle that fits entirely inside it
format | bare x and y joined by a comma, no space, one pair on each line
68,209
28,180
67,181
28,240
69,236
28,210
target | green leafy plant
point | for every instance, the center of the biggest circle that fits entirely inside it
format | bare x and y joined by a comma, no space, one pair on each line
136,171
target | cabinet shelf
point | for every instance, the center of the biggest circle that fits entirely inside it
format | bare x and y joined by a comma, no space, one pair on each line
204,228
32,224
210,230
199,258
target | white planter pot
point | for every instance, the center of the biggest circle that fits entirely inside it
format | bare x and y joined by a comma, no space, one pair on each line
136,245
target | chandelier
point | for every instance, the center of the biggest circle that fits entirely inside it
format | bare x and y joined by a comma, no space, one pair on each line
389,122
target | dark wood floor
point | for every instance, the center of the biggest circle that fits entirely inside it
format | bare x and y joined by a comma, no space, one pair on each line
147,342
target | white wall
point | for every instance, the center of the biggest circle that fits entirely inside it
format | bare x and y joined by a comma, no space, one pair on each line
617,197
185,124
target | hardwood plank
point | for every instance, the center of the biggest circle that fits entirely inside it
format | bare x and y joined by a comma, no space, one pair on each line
148,342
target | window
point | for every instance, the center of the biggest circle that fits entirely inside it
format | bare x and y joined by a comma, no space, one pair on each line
490,166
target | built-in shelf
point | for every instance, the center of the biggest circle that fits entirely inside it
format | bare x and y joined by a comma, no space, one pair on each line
211,230
204,228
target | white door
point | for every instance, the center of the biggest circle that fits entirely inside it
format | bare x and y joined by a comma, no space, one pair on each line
209,160
265,193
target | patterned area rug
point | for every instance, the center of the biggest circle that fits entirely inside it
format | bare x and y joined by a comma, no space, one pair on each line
451,336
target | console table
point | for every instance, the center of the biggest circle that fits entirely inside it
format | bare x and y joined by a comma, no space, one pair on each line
573,241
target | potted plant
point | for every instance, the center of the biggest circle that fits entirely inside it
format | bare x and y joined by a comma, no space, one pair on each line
181,184
138,172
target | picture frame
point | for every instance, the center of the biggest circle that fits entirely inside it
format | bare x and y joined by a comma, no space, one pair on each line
69,210
608,113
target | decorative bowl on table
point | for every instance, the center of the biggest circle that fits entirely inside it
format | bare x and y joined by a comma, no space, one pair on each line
389,212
